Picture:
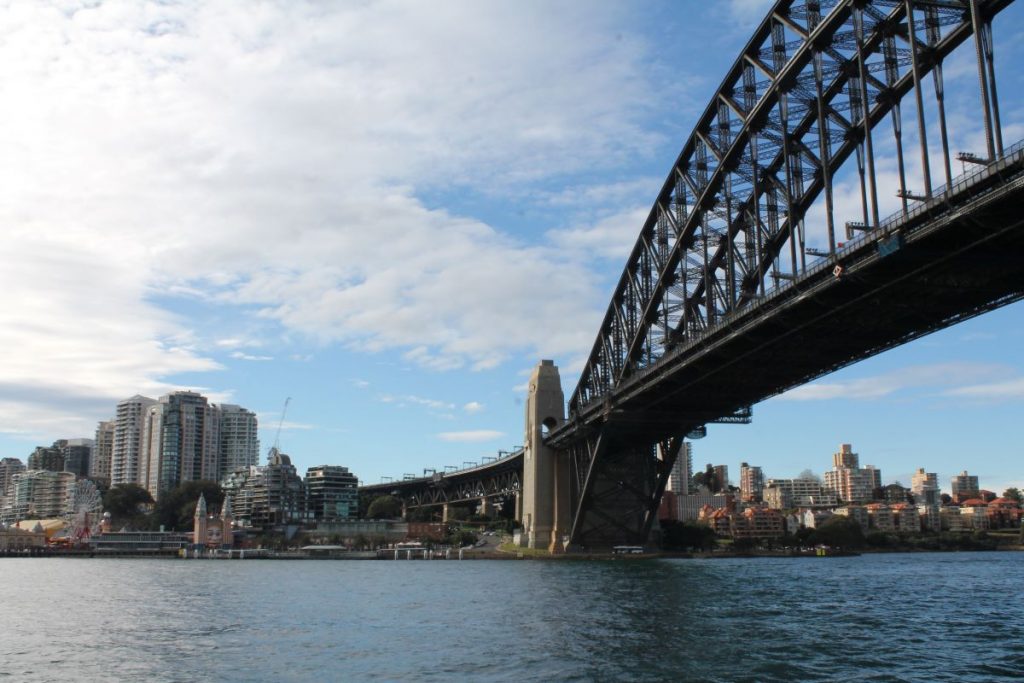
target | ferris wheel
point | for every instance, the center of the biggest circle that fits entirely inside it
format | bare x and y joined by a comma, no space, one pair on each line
83,512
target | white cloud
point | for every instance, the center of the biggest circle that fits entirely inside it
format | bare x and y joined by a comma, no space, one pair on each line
246,356
402,401
1001,390
473,407
272,156
611,237
473,436
878,386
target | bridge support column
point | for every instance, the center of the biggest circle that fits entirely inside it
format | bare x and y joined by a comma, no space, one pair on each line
444,513
545,495
485,507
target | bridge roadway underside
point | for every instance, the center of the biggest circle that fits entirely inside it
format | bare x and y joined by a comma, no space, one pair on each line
958,259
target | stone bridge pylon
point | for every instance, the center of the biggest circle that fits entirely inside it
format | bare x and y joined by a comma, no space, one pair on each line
546,510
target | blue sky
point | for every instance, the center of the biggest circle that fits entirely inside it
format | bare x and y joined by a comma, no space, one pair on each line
389,211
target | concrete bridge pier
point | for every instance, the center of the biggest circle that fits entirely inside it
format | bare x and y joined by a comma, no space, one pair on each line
545,495
485,507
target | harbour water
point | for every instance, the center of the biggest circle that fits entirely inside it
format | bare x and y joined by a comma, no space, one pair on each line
895,617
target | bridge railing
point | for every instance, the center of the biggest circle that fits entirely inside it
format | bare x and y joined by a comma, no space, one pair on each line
939,195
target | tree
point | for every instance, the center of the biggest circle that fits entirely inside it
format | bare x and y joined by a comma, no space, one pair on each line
839,531
176,509
384,507
688,535
1014,493
809,474
126,500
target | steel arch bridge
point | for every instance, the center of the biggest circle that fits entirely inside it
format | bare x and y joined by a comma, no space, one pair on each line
747,278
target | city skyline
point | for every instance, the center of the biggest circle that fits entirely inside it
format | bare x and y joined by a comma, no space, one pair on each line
390,214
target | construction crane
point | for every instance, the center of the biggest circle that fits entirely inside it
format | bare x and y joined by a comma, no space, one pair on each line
280,423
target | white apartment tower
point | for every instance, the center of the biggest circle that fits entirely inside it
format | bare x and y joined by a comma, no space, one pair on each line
126,451
103,451
239,441
679,479
851,483
925,487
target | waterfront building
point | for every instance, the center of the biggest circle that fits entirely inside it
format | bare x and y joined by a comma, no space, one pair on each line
880,517
974,513
783,494
857,513
13,539
103,451
688,507
135,542
236,484
756,523
924,486
47,458
275,492
931,519
751,483
38,494
1004,513
331,493
239,440
964,486
126,459
213,531
717,519
906,518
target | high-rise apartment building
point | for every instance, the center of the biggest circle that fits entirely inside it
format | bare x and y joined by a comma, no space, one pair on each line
47,458
8,468
77,455
181,437
239,439
845,457
680,478
964,486
924,486
782,494
721,477
852,484
277,492
103,451
751,482
126,460
331,493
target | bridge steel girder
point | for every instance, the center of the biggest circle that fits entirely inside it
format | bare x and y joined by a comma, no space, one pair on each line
720,273
739,190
